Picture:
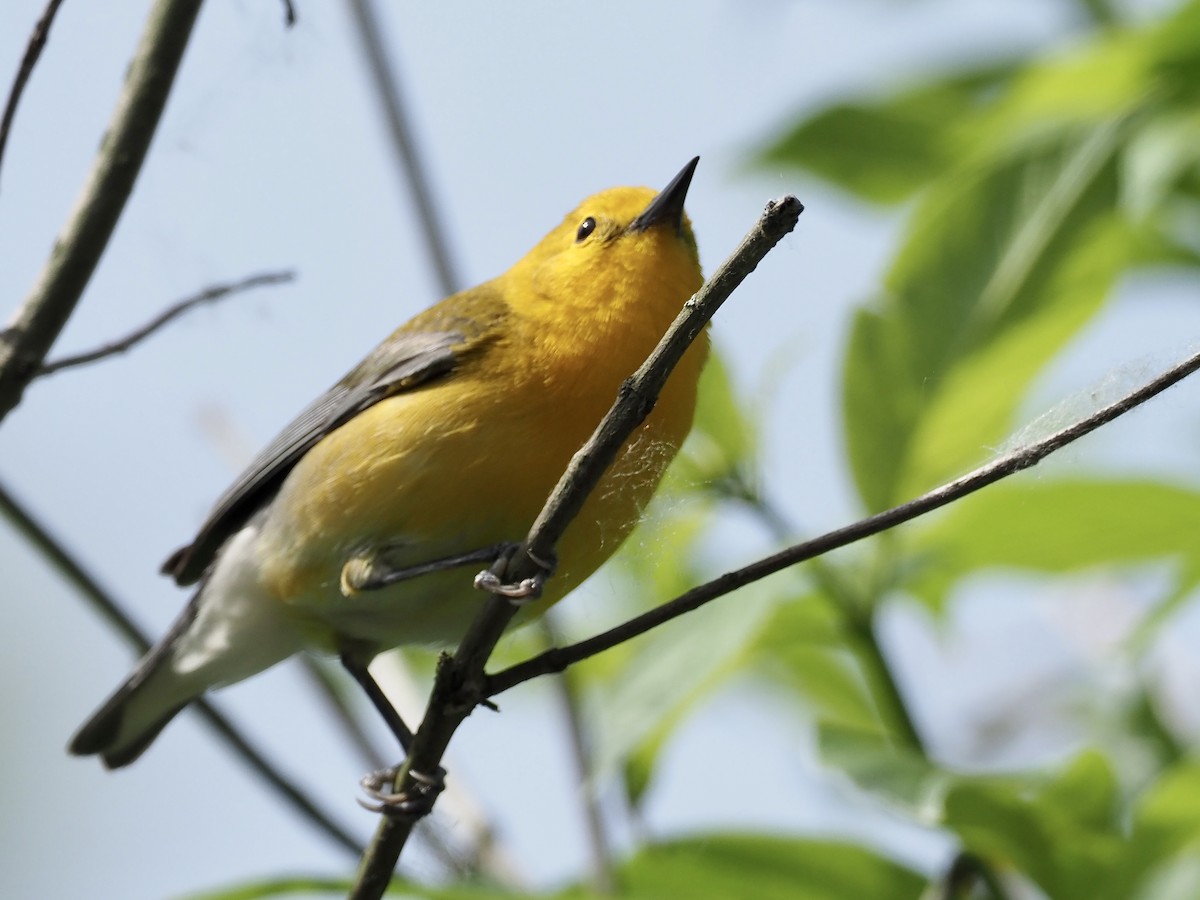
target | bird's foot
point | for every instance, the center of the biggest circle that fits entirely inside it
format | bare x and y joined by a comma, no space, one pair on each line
414,803
524,591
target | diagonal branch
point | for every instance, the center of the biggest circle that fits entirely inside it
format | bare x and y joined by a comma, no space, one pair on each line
404,145
33,52
208,295
83,581
1019,459
459,683
24,345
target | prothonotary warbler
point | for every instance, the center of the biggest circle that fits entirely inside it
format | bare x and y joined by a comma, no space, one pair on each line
446,439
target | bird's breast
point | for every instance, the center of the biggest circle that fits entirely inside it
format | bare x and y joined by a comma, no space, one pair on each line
452,467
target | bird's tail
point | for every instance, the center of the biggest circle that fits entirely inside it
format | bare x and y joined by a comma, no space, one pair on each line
233,628
116,734
128,721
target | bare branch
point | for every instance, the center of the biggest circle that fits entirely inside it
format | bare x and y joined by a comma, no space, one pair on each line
33,52
459,683
387,87
208,295
638,394
1022,458
45,311
56,553
289,13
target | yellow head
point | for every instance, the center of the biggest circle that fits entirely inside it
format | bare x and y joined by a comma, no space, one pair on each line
621,263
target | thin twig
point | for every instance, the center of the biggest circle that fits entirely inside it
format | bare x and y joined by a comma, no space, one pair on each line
33,52
387,87
1022,458
208,295
69,567
289,13
327,683
459,682
463,838
24,345
603,879
966,869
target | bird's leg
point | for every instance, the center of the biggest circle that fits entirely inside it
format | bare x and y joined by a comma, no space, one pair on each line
358,671
379,786
371,571
524,591
411,804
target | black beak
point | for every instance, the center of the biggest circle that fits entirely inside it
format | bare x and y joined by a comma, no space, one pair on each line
668,205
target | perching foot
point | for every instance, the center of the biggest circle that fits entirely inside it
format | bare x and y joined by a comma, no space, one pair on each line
413,804
524,591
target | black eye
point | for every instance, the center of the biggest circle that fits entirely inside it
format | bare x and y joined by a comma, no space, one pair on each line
586,227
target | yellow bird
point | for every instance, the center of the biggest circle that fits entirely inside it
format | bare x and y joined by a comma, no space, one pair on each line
445,441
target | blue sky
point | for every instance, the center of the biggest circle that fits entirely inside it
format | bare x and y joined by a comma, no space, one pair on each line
271,156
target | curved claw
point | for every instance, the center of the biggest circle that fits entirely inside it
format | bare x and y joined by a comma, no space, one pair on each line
523,591
415,803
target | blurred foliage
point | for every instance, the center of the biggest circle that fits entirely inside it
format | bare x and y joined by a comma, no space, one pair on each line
718,866
1031,185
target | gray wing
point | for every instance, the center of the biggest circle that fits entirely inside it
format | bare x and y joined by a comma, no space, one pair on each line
406,360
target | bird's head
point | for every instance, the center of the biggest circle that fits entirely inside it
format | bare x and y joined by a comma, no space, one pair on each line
624,256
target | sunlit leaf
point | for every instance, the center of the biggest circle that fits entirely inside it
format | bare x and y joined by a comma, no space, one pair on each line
1062,832
1166,822
882,767
985,254
723,435
736,867
283,887
807,649
1056,526
976,407
1162,153
885,149
669,673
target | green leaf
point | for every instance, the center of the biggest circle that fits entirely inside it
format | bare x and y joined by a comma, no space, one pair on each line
1100,80
314,886
1166,822
885,150
1058,526
1177,879
986,254
980,394
877,431
1161,155
280,887
723,435
882,767
1086,792
764,867
1063,833
1174,55
672,670
807,649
